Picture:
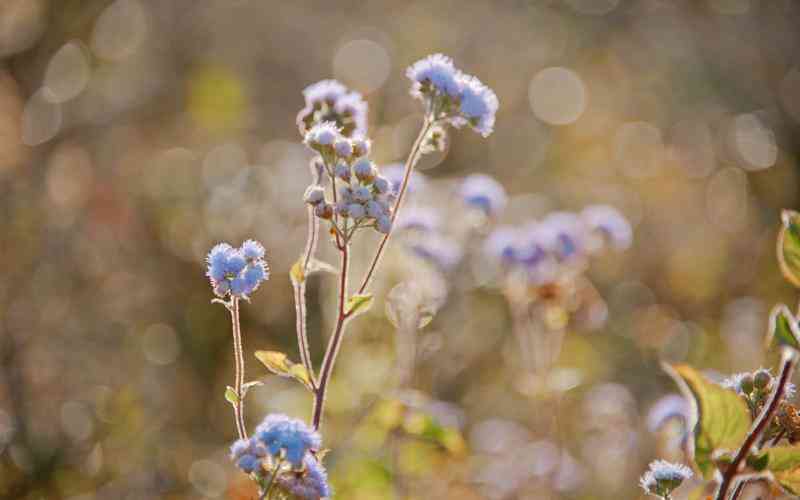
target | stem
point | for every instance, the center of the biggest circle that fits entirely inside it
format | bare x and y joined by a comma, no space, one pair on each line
738,490
268,489
335,342
300,296
238,408
413,158
788,363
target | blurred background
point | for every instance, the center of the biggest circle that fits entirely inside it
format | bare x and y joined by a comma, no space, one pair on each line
135,134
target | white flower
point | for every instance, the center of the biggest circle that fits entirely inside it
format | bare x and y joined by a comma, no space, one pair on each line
354,106
478,105
322,135
663,477
437,72
324,91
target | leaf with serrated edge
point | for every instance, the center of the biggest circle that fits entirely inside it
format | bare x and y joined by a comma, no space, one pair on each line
358,304
789,246
720,418
783,327
784,464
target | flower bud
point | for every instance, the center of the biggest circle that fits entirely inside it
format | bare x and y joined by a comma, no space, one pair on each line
343,148
356,211
383,224
361,194
746,384
314,195
342,171
364,170
361,147
381,184
762,380
324,210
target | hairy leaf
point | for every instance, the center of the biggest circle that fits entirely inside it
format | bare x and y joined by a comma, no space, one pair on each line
280,364
720,417
789,246
358,304
231,396
784,464
783,327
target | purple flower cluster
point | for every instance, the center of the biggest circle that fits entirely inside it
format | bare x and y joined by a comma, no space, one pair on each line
237,271
311,483
330,101
452,95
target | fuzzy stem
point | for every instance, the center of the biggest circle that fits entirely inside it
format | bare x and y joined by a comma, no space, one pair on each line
413,158
738,490
299,288
238,407
335,342
788,363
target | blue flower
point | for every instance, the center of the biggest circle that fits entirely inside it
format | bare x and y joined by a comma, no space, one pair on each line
663,477
330,101
565,235
354,107
610,223
483,192
478,105
238,272
293,437
434,74
311,483
420,219
442,252
248,454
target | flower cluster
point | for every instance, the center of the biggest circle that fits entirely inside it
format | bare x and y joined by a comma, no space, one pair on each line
330,101
452,96
663,477
559,244
278,441
362,198
237,271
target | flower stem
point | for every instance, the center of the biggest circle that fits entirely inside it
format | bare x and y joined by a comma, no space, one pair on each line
413,158
788,364
335,342
299,288
238,407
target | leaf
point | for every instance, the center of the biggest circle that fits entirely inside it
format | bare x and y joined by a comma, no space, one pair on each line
316,265
358,304
789,246
280,364
720,417
296,273
246,386
231,396
783,327
784,464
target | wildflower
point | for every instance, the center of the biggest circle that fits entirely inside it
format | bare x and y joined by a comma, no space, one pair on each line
443,253
329,100
343,148
248,454
663,477
342,171
322,136
361,147
483,192
281,434
672,406
352,109
478,105
237,271
356,211
323,210
565,236
381,184
324,92
383,224
612,225
434,74
310,483
364,170
418,219
314,195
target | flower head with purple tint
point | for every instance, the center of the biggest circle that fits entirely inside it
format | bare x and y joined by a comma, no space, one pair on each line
483,192
237,271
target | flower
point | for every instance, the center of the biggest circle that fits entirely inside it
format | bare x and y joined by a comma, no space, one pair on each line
442,252
310,483
394,174
279,433
248,454
663,477
418,219
434,74
565,236
610,224
353,109
478,105
314,195
322,136
672,406
238,272
483,192
329,100
325,91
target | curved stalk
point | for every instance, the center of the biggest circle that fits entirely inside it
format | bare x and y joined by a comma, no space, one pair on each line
238,354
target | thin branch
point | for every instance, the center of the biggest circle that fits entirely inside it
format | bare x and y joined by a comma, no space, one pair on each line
335,342
788,363
238,407
413,158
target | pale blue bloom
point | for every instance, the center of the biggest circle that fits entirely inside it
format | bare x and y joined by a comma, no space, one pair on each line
364,170
356,211
375,209
442,252
329,91
252,250
483,192
248,454
421,219
565,235
309,484
361,194
342,171
501,244
434,73
663,477
478,105
353,106
279,433
314,195
361,146
383,224
343,148
322,135
381,184
610,223
236,271
394,174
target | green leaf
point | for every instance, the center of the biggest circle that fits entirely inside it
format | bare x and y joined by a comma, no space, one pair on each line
358,304
789,246
783,327
231,396
720,417
280,364
784,464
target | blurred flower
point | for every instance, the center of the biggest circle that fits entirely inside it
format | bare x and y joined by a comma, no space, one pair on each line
672,406
394,174
322,136
442,252
483,192
310,483
612,225
478,105
663,477
418,219
329,100
434,74
248,454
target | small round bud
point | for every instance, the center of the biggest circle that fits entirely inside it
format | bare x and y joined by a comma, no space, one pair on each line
343,208
381,184
342,171
324,210
356,211
364,170
383,224
314,195
762,380
343,148
746,384
361,194
375,209
361,147
346,194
